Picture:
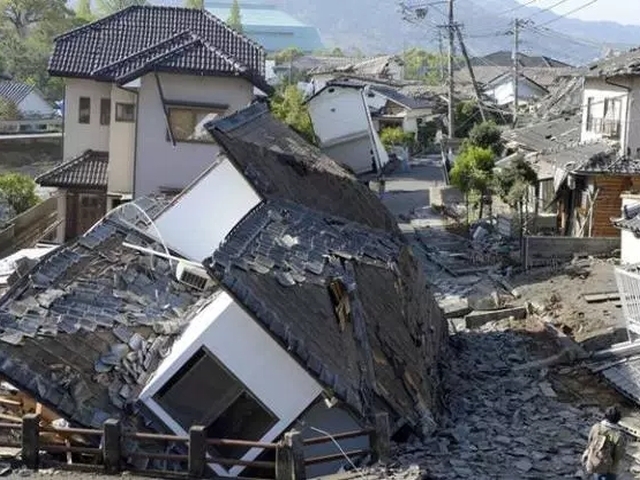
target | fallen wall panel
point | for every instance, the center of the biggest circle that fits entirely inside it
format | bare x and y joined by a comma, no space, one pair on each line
545,251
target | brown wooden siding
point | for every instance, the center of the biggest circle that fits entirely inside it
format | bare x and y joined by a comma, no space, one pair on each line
609,204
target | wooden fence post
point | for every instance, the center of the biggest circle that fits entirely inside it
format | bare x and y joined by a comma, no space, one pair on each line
31,440
197,451
380,438
112,445
290,457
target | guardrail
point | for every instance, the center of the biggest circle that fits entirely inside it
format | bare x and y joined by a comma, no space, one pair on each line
33,125
290,462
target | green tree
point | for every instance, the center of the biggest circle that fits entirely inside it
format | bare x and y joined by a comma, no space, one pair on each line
9,110
107,7
287,55
288,105
198,4
486,135
473,172
392,136
83,10
466,115
20,191
235,17
512,184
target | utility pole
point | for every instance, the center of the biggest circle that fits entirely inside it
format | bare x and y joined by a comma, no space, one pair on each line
441,52
452,132
516,68
463,48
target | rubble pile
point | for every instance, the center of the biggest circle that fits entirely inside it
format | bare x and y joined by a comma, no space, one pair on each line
504,421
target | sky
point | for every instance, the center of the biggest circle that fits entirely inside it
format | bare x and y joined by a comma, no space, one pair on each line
621,11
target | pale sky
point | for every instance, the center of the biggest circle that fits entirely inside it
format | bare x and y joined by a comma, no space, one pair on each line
621,11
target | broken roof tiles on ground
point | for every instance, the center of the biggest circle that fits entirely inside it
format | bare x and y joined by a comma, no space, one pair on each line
87,327
281,165
139,39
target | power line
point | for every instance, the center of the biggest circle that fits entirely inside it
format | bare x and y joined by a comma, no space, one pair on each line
526,4
591,2
547,8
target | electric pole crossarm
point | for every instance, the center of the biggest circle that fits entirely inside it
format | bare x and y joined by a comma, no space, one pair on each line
463,48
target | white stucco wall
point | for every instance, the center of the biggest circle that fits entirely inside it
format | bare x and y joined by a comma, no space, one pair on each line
502,93
158,163
629,243
338,112
230,334
80,137
633,131
599,90
189,226
122,140
34,104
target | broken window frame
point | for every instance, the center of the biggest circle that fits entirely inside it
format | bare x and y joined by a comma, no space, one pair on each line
184,134
589,118
341,302
237,392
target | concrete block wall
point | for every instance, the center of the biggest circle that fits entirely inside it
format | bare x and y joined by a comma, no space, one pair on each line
544,251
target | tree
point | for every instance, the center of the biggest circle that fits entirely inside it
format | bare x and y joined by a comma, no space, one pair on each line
20,191
287,55
9,110
83,10
392,136
23,15
512,184
486,135
235,17
107,7
473,171
288,105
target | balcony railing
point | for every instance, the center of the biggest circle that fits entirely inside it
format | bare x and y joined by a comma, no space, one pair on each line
604,126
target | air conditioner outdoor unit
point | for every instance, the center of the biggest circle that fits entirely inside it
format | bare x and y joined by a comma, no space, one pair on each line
193,276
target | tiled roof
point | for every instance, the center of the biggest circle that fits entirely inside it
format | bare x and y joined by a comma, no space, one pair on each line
626,63
280,164
14,92
630,219
607,162
404,100
139,39
504,58
88,325
88,170
374,66
546,136
279,262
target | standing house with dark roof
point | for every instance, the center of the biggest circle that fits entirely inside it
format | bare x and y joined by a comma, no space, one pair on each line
27,99
324,317
140,84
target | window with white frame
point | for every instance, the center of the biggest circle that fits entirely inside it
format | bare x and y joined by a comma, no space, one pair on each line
203,392
187,123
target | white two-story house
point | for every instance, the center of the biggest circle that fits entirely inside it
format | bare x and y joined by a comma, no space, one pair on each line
611,102
140,85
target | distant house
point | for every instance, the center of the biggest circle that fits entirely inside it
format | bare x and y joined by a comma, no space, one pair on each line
504,58
28,100
629,225
140,85
501,90
270,27
343,124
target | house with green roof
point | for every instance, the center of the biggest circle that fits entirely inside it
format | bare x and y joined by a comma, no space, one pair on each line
272,28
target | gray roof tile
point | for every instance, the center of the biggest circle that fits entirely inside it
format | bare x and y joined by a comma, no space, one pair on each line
68,328
630,219
13,91
139,39
89,170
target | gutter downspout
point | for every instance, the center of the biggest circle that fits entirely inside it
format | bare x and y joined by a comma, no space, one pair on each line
627,113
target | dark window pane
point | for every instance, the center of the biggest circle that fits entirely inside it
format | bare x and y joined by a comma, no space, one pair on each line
245,419
125,112
105,111
84,110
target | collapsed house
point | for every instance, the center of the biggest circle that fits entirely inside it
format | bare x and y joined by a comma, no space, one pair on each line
311,310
